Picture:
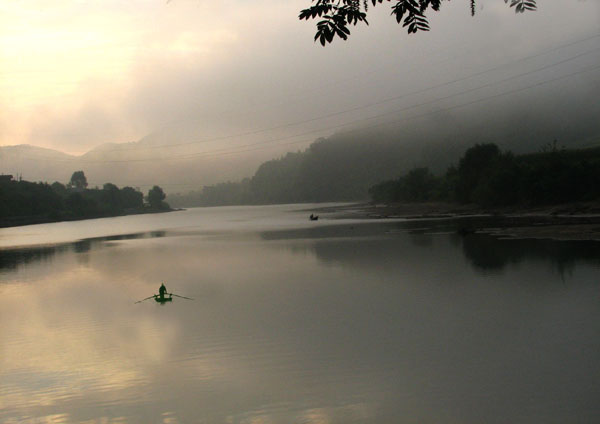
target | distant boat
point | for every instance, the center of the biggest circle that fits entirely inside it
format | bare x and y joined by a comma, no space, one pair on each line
313,217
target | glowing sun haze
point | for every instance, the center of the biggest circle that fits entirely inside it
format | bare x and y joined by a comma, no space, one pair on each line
69,68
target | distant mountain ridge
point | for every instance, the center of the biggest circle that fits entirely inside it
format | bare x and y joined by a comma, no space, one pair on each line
135,164
342,166
36,163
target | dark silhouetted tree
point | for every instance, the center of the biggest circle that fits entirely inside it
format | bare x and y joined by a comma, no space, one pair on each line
59,188
111,197
477,162
131,198
419,184
80,206
156,197
336,15
78,180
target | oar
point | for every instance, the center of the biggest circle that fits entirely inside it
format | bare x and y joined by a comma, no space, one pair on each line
183,297
149,297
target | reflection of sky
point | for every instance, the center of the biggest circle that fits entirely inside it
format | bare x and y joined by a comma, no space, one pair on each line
365,327
61,341
202,220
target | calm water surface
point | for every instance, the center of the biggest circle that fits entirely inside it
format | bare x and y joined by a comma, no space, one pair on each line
294,322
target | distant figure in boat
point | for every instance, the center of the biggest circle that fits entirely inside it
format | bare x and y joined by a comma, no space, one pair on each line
313,217
162,290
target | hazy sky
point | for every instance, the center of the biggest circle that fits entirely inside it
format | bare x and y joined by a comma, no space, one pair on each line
79,73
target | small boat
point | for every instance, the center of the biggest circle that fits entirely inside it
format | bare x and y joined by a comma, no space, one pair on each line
313,217
162,299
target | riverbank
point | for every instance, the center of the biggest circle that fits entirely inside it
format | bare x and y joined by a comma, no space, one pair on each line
19,221
574,221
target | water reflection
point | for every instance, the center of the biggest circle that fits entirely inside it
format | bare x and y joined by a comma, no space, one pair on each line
360,323
487,253
12,259
428,241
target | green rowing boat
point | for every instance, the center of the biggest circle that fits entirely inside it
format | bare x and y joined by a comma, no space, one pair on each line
163,299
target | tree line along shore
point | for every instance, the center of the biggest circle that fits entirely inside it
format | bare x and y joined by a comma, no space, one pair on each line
487,177
25,203
484,177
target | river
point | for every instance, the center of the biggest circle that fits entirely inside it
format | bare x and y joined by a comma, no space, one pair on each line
292,321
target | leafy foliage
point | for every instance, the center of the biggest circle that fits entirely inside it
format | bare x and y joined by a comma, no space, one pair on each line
78,180
336,15
156,196
522,5
473,166
24,202
491,178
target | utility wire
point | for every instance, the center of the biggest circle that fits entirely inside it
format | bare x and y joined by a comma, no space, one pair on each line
369,105
212,153
229,150
320,117
255,146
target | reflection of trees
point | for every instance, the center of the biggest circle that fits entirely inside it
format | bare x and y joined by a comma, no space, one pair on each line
386,247
408,244
12,259
82,246
488,253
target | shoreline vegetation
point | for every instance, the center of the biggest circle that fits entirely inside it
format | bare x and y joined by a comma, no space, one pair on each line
333,171
573,221
29,203
554,193
550,194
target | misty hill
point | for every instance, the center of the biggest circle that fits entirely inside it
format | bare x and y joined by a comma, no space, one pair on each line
133,164
184,158
36,163
344,166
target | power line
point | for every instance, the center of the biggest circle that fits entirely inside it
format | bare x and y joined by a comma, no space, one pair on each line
255,146
320,117
369,105
394,121
228,150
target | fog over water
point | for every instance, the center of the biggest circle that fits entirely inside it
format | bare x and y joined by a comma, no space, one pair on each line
296,321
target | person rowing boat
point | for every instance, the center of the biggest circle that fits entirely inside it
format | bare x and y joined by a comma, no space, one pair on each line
162,290
160,297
